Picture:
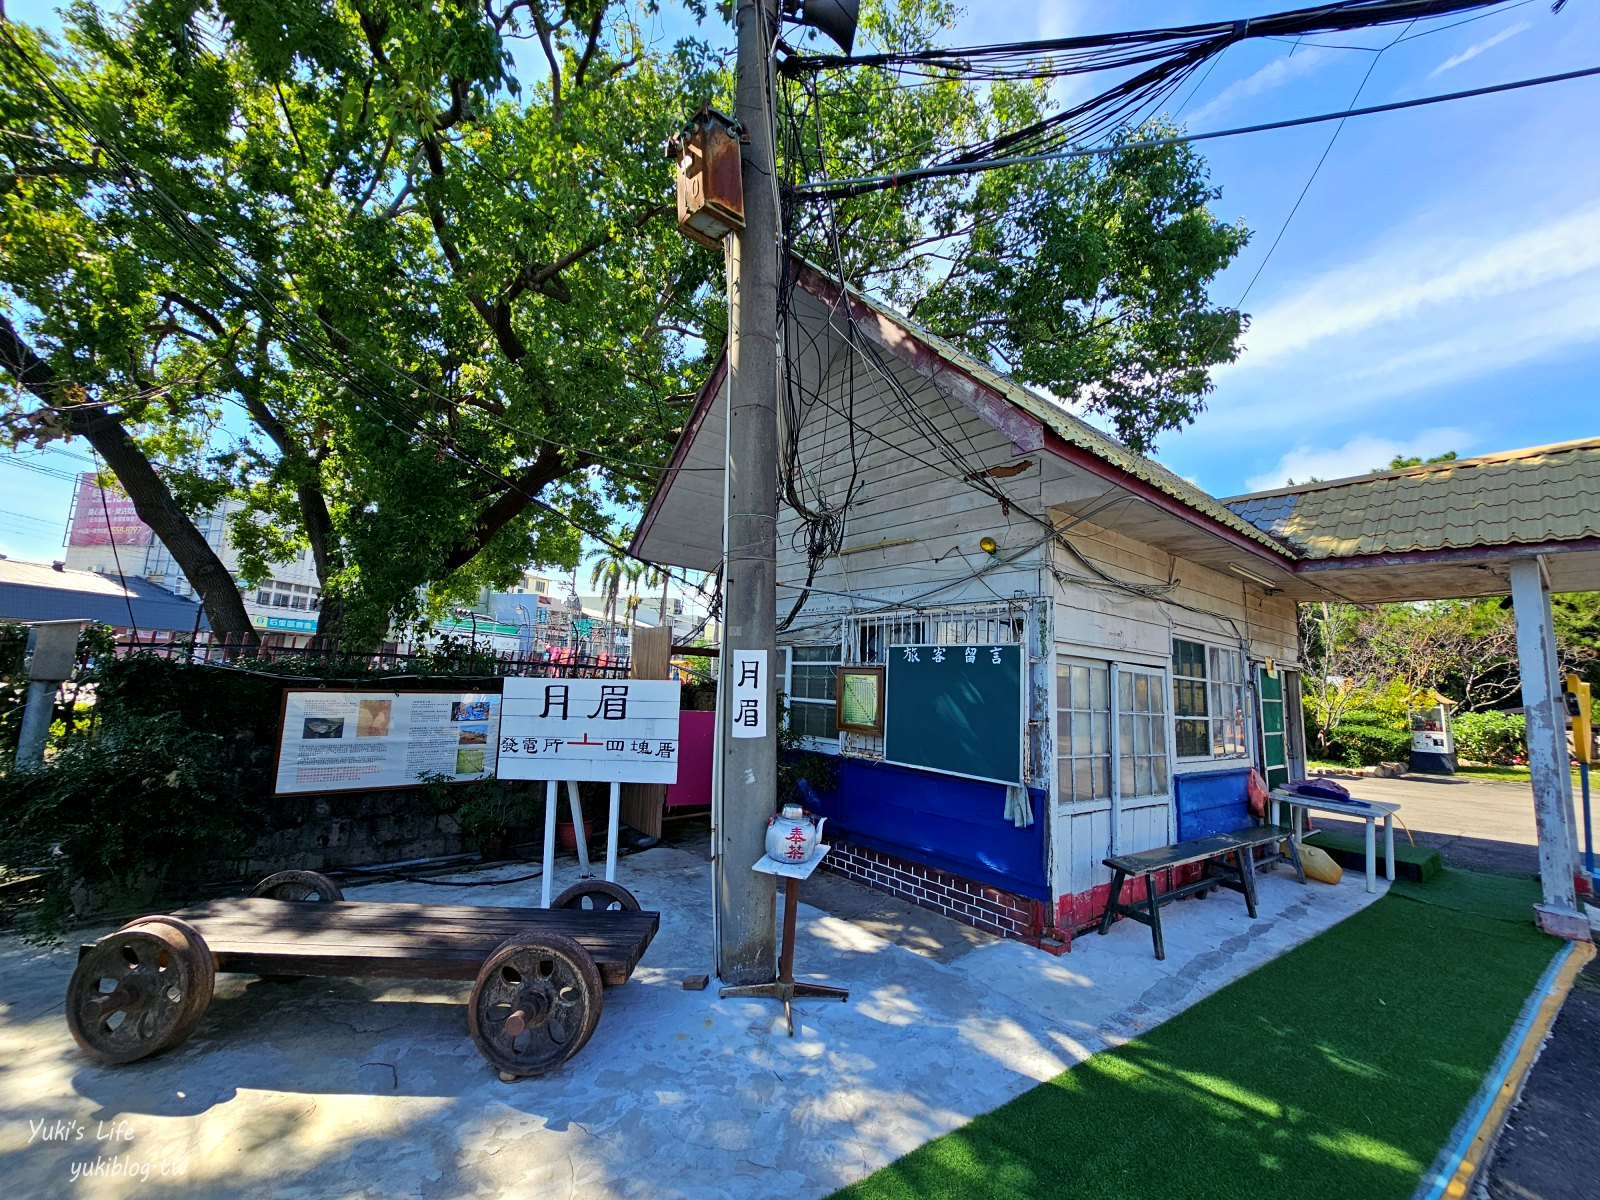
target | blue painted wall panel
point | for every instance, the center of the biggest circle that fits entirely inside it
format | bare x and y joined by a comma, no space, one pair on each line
1211,802
950,824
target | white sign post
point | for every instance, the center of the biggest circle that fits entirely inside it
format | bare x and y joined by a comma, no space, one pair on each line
612,731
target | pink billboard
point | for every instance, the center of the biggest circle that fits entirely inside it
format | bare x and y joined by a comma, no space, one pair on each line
101,517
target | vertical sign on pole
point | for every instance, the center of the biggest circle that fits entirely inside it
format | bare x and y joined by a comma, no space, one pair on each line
750,691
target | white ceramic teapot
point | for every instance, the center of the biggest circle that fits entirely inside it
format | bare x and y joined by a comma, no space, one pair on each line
793,834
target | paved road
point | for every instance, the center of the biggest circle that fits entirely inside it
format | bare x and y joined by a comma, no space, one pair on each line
1550,1148
1479,824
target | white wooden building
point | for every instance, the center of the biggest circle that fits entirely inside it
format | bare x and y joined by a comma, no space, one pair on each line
953,507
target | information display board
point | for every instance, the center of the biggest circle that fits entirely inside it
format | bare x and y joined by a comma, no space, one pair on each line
609,730
956,710
331,741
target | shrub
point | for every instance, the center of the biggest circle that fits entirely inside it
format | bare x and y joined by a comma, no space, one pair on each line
1495,738
1362,745
146,807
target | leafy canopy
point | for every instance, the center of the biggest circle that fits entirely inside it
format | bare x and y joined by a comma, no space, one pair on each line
423,310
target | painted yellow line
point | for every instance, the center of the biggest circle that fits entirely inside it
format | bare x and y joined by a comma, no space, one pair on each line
1537,1030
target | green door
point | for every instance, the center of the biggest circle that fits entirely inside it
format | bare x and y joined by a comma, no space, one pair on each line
1274,740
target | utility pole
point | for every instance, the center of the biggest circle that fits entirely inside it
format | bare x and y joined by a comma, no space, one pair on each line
746,906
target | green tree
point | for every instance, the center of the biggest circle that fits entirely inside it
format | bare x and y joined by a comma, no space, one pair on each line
426,311
611,571
333,259
1086,277
1400,462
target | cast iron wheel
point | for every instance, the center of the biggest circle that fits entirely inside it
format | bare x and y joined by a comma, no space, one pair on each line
305,886
206,975
599,894
535,1003
139,991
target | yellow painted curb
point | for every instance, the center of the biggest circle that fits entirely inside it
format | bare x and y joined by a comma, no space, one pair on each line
1537,1030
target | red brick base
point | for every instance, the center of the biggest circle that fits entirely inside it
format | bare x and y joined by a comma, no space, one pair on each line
988,908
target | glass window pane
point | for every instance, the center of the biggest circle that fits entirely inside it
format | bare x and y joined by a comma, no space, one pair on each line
1125,776
1141,692
1159,765
1063,727
1080,735
1142,775
1101,742
1064,689
1125,735
1124,691
1080,687
1100,687
1102,778
1082,778
1194,738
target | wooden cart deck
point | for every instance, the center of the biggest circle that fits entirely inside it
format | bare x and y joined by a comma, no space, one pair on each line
402,940
538,974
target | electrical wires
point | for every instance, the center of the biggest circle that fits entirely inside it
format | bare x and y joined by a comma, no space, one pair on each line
1167,58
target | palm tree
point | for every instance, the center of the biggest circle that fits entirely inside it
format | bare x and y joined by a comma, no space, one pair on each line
610,571
655,576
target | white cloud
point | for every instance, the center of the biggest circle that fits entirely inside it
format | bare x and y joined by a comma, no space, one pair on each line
1477,48
1359,455
1416,279
1274,75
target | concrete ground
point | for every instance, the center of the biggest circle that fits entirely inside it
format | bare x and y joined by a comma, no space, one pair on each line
1550,1147
373,1088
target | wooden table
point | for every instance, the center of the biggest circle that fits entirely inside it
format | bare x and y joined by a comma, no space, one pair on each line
784,987
1370,811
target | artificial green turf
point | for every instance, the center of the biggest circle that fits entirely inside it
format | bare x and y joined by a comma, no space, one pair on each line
1336,1070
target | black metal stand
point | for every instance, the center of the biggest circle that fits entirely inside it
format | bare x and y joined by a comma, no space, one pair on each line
784,987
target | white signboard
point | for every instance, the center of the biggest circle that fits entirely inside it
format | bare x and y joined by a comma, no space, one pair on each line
335,741
749,692
610,730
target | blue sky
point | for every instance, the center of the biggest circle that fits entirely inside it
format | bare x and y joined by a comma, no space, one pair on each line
1438,289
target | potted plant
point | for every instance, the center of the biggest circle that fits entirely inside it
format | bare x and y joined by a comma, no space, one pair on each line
488,812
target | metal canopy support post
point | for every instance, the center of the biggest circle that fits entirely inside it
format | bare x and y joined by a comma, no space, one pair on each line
1547,752
746,902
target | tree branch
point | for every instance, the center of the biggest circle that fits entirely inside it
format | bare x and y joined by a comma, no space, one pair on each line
151,497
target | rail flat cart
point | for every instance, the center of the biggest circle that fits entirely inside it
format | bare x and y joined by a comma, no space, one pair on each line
538,975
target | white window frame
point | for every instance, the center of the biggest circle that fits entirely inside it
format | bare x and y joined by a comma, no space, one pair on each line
1210,684
826,745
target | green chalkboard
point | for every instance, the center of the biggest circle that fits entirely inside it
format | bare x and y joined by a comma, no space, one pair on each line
955,709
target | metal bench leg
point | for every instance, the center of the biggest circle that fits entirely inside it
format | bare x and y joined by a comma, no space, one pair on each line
1116,894
1155,914
1247,876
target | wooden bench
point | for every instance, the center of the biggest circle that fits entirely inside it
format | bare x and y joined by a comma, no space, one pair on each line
1213,850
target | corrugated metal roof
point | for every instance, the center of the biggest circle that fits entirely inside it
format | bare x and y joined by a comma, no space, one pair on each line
1519,497
1076,431
38,592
